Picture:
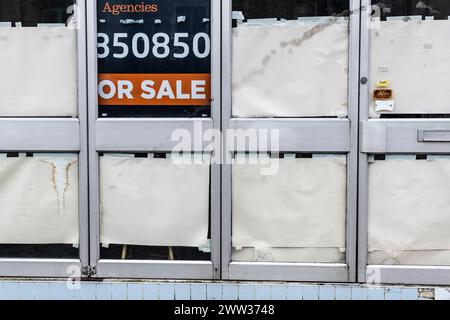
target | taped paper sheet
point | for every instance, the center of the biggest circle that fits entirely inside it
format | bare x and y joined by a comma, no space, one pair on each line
153,202
38,71
299,255
302,206
409,205
290,69
419,82
39,200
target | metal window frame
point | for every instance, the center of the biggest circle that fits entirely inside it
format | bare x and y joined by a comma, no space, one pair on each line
32,134
392,136
150,135
322,135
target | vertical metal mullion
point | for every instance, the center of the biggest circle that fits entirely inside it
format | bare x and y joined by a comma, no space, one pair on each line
363,159
226,116
215,114
94,212
83,193
352,157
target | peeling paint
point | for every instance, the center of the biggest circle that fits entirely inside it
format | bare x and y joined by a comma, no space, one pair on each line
425,293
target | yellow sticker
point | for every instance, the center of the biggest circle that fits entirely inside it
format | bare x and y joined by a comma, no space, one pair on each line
384,83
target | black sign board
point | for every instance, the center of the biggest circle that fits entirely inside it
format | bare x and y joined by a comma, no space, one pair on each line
154,58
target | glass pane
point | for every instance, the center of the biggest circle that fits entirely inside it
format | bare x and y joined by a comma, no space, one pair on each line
154,207
38,58
289,209
39,205
409,208
290,58
416,86
154,60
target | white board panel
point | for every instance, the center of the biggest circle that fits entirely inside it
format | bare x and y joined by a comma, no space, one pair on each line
295,255
290,70
154,202
302,206
38,71
409,205
413,57
39,200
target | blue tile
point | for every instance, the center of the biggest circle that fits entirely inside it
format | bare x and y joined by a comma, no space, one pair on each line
73,292
166,291
343,293
293,292
230,292
182,292
42,290
119,291
10,291
441,294
27,290
359,293
103,291
262,292
246,292
135,291
73,289
58,291
326,293
151,291
278,292
393,293
214,291
375,293
88,290
198,291
409,293
310,293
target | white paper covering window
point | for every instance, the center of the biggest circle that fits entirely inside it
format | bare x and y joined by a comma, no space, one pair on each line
39,199
312,255
290,69
153,202
301,207
409,212
38,71
413,57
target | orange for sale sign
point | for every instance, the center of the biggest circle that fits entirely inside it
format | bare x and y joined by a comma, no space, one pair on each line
154,89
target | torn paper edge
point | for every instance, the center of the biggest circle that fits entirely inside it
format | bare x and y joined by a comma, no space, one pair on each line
50,25
404,18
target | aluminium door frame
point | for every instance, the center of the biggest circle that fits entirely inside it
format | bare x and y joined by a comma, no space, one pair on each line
52,134
390,136
324,136
149,135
